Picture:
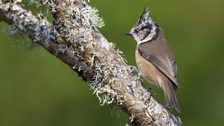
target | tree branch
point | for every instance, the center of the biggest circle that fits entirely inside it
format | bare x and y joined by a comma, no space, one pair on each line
73,38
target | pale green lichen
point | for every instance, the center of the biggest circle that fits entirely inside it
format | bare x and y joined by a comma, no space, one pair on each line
91,17
85,19
107,95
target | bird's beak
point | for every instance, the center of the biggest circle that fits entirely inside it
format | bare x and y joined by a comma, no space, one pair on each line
128,34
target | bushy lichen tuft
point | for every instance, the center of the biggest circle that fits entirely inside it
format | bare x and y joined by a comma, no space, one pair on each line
91,17
106,94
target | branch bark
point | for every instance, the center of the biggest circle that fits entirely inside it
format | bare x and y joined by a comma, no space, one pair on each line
73,38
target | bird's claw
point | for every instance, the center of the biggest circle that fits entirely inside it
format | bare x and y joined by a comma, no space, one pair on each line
134,69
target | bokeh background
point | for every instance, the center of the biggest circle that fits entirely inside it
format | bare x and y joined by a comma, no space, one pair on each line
36,89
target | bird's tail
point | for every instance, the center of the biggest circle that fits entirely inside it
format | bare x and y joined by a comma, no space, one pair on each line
171,100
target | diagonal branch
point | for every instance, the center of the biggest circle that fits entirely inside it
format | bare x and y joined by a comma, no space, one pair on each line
73,38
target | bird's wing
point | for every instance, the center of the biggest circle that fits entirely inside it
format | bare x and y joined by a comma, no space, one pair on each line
166,65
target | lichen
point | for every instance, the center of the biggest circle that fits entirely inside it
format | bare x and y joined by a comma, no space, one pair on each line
107,95
84,20
91,17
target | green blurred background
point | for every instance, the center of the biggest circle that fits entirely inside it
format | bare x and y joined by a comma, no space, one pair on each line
36,89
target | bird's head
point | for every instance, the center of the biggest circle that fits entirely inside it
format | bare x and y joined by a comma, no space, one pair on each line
145,28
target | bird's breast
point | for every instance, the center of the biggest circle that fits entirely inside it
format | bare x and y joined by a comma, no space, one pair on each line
149,71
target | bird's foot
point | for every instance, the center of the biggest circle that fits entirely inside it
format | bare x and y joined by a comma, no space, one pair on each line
149,90
168,106
134,69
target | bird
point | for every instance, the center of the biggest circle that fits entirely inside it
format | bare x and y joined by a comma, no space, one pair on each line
154,58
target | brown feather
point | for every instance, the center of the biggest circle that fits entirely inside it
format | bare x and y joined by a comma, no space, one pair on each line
157,65
159,54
